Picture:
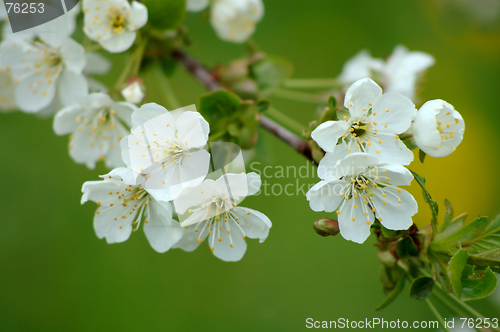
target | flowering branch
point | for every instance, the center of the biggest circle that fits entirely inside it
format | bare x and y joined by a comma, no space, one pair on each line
202,74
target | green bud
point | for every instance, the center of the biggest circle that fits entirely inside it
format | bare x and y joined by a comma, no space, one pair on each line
326,227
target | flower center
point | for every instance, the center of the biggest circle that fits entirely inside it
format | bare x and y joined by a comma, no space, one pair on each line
220,219
358,128
117,21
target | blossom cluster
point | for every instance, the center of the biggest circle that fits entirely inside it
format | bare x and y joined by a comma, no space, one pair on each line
365,156
168,173
160,175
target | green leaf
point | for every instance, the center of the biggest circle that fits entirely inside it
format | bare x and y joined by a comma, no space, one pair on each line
490,258
448,217
455,269
406,248
467,233
270,72
165,14
477,284
486,242
393,294
219,104
495,224
263,105
439,269
421,287
428,199
469,284
421,156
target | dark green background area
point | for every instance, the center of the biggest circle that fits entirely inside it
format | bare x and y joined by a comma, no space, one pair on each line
56,275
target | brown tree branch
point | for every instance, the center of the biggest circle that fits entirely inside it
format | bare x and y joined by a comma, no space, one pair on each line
204,76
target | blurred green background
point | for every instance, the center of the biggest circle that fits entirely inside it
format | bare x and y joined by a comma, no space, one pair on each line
56,275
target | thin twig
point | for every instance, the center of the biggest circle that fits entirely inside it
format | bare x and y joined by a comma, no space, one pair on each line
204,76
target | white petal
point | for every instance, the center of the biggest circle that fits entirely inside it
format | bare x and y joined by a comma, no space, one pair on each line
109,220
326,164
96,64
255,224
352,165
354,222
194,196
32,96
325,196
390,149
223,250
119,42
398,175
72,87
150,111
360,97
193,129
161,230
359,66
98,191
189,240
73,55
392,113
394,215
138,16
65,120
121,173
328,133
195,166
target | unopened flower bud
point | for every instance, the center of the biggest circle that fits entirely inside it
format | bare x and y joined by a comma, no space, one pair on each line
133,93
326,227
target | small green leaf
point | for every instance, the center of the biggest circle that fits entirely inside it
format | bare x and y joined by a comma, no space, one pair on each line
219,104
488,241
448,217
490,258
263,105
477,284
439,269
421,288
455,268
495,224
393,294
421,155
165,14
428,199
406,248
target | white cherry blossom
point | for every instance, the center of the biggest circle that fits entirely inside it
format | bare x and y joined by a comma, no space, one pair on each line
114,23
167,148
372,125
123,206
44,72
438,128
235,20
96,124
398,74
360,188
211,209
